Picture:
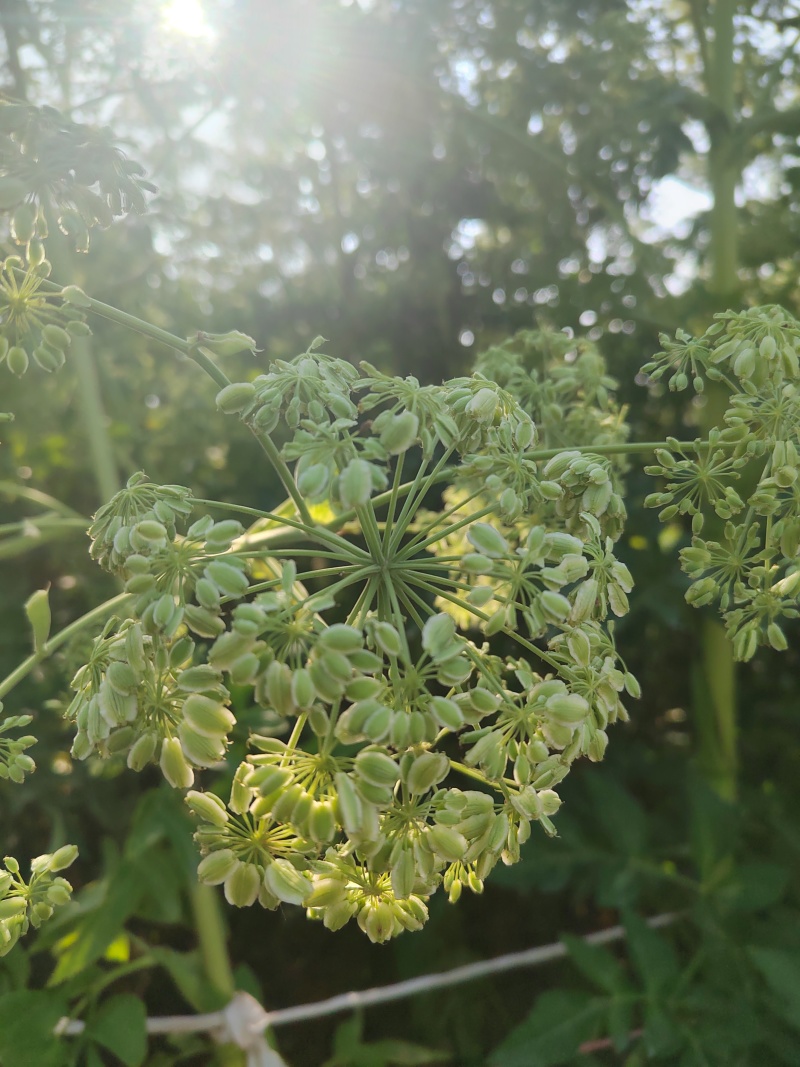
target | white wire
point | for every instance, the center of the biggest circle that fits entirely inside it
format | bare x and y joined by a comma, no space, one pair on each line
532,957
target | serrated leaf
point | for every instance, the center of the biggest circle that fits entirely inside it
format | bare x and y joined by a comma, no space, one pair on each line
596,963
121,1026
559,1023
27,1021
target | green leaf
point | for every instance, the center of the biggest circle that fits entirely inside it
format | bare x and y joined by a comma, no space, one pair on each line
27,1020
187,972
620,817
406,1054
712,827
755,886
552,1033
653,956
781,971
100,926
596,963
120,1026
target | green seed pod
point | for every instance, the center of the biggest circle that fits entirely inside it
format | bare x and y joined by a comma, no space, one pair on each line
78,328
17,358
446,842
488,541
278,687
342,638
387,638
214,868
322,822
242,885
48,359
350,807
378,724
203,622
437,636
198,679
567,709
121,677
313,482
208,717
447,713
285,802
555,607
268,779
235,397
287,883
222,533
476,563
173,764
377,767
163,610
206,594
228,579
327,687
142,751
202,750
244,669
303,692
56,337
524,434
426,771
400,432
404,874
483,405
207,806
355,483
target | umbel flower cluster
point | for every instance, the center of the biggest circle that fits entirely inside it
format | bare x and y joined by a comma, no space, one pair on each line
744,558
394,747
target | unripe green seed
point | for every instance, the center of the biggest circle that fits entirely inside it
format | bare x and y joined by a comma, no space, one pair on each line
377,767
437,635
62,858
355,483
173,764
208,717
287,883
56,337
400,433
207,806
142,751
17,359
214,868
387,638
202,750
242,884
228,579
235,397
488,541
427,770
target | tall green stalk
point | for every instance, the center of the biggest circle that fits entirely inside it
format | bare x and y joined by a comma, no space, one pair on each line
715,673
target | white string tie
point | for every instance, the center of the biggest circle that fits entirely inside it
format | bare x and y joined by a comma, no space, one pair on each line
243,1023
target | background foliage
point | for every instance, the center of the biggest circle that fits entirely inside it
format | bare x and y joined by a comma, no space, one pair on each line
416,181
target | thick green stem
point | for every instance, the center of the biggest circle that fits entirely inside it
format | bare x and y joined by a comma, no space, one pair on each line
212,939
94,418
715,673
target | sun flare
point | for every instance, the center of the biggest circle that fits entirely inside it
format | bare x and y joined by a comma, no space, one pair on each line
186,17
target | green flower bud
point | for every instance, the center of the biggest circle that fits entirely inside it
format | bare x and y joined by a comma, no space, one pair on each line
12,906
242,884
287,883
488,541
37,608
173,764
235,397
62,858
214,868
